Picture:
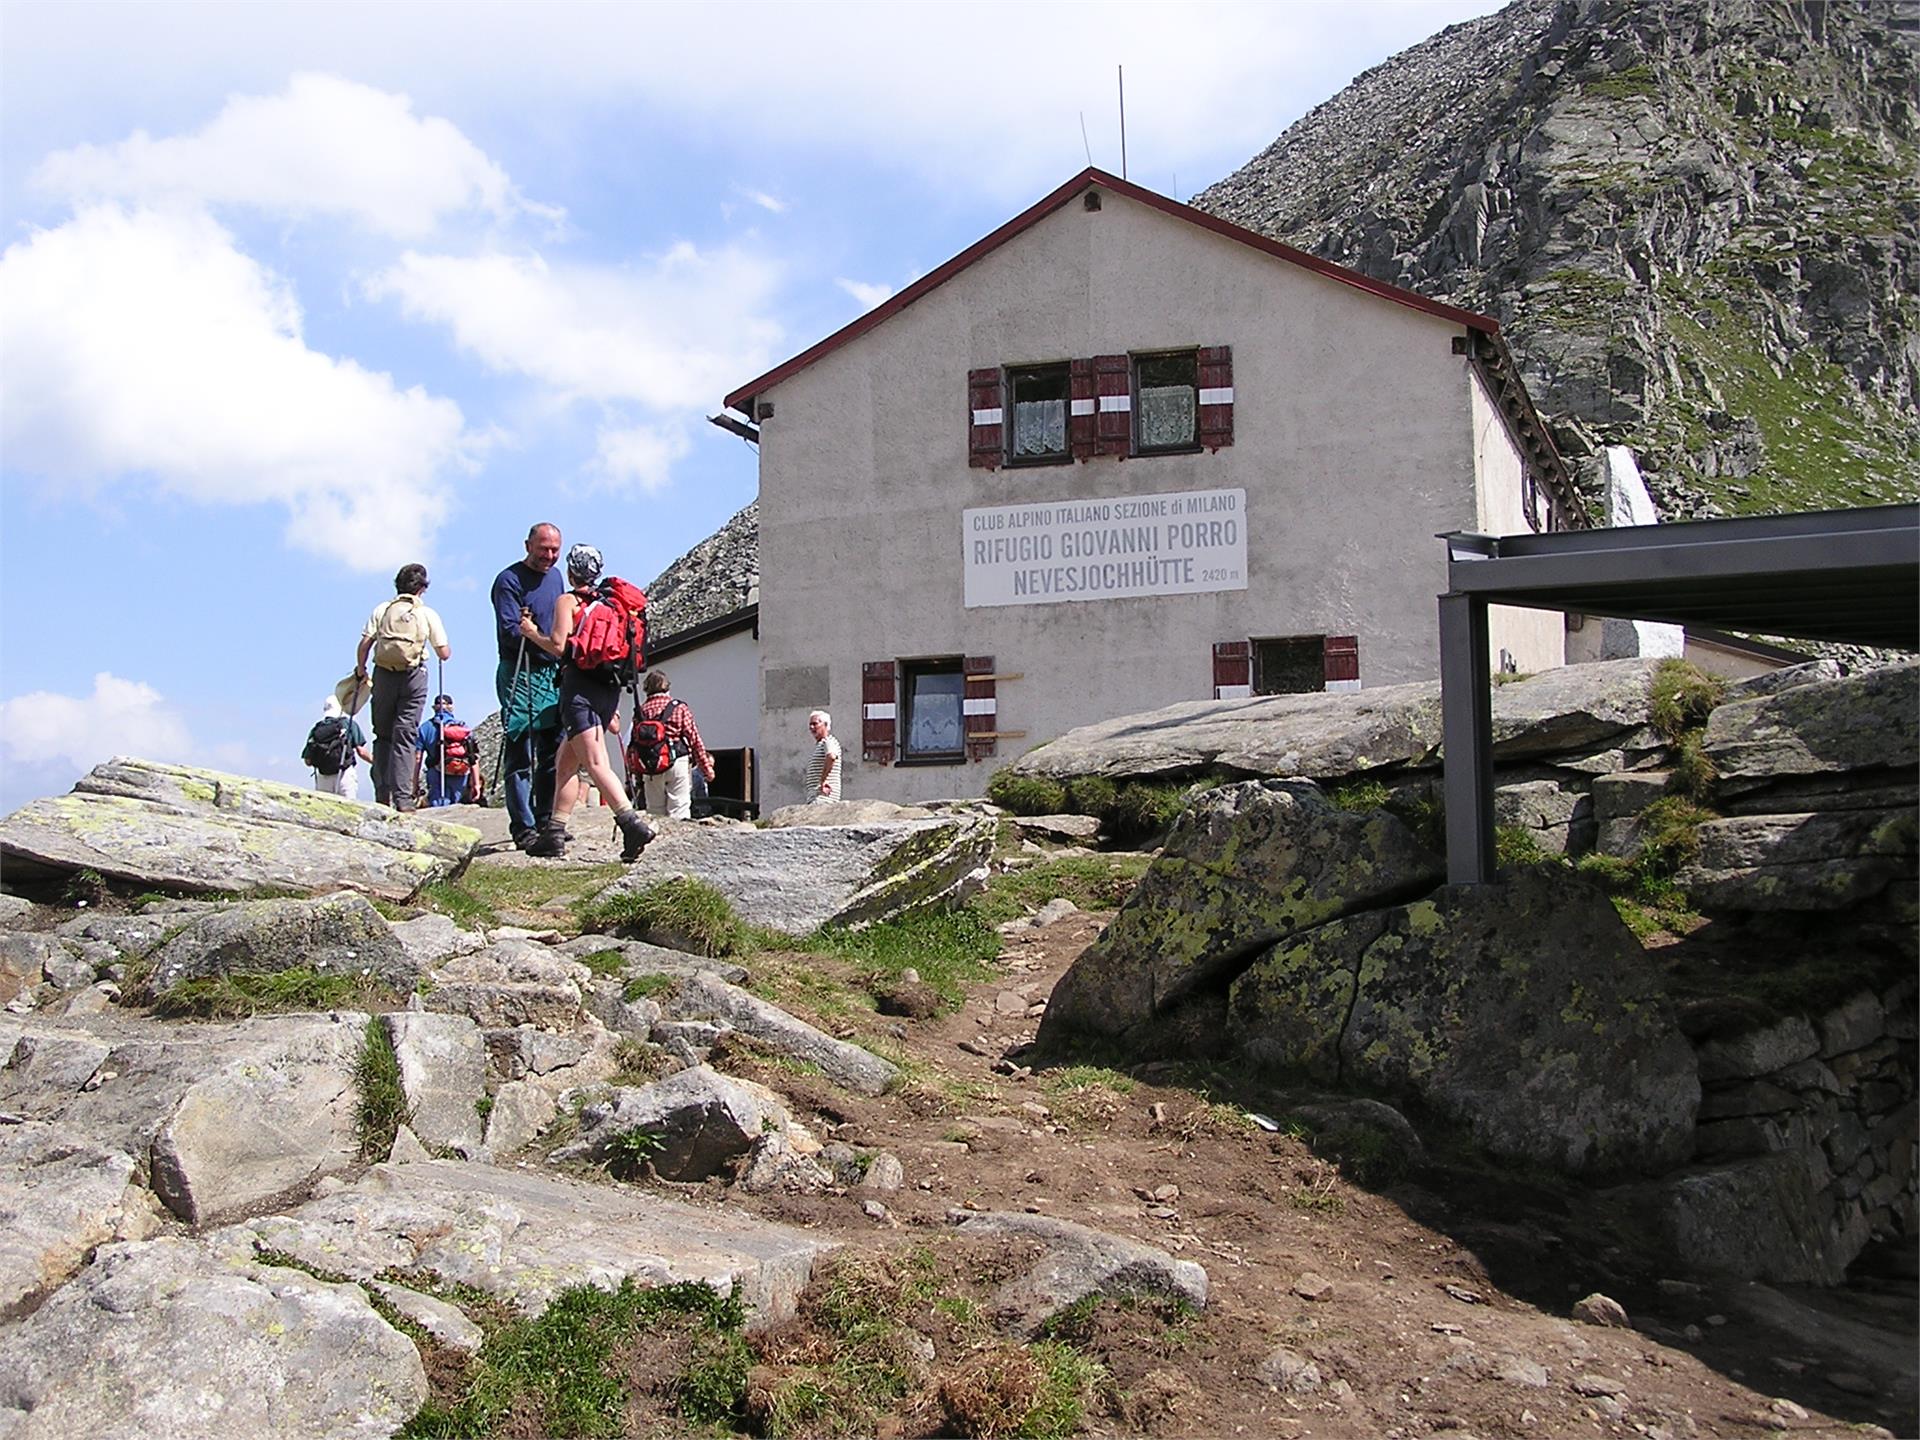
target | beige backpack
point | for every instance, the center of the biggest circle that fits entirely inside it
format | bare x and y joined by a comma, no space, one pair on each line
400,639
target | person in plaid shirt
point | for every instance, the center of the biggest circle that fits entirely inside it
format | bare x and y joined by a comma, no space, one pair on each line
670,794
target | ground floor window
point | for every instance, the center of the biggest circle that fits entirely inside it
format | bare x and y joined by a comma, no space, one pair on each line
933,694
1289,666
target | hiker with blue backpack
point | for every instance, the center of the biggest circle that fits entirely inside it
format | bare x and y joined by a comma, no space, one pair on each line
447,755
598,635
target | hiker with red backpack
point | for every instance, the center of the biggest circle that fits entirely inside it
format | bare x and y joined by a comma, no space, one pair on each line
599,637
665,749
447,755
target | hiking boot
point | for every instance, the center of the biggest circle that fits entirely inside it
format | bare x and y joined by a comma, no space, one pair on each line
550,843
522,838
635,832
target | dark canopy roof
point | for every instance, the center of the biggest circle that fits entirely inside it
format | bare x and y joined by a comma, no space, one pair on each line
1846,575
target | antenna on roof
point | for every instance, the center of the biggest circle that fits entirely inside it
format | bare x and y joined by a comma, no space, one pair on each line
1122,70
1083,139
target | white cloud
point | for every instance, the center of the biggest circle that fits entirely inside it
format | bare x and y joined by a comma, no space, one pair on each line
670,333
160,351
639,455
762,199
868,295
120,717
323,146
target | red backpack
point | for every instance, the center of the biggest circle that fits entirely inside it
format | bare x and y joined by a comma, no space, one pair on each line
454,749
610,630
652,751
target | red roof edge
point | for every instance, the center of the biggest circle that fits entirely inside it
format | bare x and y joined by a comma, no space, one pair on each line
1037,212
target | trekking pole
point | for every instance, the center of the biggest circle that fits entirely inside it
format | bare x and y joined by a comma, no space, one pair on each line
440,729
513,692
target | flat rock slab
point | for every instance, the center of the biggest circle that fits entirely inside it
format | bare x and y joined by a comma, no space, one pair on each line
220,1117
172,1338
333,934
844,812
1823,861
60,1195
526,1237
1323,736
200,830
1078,1262
801,877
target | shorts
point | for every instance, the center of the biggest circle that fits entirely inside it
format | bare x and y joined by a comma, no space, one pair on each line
586,702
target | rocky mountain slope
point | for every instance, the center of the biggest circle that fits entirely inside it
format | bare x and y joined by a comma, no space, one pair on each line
1698,222
714,578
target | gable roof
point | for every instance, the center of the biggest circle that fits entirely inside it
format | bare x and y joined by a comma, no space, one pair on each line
1087,179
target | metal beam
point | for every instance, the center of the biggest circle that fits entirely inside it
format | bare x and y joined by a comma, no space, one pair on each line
1466,716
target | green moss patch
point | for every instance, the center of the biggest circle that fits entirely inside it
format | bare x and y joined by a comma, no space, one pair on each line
691,911
950,949
234,997
1093,882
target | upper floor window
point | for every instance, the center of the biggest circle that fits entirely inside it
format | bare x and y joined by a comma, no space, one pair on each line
1162,403
1039,405
1166,412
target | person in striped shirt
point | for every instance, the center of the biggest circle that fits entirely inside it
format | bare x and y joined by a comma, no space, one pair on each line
670,793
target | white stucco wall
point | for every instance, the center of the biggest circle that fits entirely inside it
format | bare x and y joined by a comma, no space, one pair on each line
720,681
1353,441
1533,640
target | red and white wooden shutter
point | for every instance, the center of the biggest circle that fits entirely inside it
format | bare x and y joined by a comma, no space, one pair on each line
985,447
1113,386
978,707
1083,405
1342,657
1216,396
877,708
1232,670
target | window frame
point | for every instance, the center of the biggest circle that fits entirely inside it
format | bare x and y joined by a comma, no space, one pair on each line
1189,353
1010,402
909,670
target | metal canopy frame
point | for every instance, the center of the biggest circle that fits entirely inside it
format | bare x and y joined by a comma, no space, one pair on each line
1843,575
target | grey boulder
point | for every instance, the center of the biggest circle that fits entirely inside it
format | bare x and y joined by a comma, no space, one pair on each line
706,997
698,1120
1862,722
1075,1263
60,1195
335,934
168,1337
443,1072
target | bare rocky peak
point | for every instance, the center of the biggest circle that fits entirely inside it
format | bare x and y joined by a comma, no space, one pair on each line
1698,222
714,578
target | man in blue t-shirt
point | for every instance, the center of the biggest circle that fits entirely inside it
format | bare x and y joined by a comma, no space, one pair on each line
527,682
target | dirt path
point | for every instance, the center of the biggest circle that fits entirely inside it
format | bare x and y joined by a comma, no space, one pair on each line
1437,1308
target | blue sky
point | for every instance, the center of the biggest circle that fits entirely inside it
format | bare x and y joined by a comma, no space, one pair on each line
292,294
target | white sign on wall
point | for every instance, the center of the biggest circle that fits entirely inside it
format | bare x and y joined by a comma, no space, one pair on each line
1183,544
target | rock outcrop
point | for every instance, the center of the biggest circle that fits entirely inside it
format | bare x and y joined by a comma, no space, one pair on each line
199,830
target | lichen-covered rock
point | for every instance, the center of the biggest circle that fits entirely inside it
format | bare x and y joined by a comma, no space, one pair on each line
707,997
443,1072
167,1337
1244,866
511,982
183,829
335,934
1862,722
1076,1263
1522,1010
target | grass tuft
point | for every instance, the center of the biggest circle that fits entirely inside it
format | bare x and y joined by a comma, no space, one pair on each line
380,1105
680,909
1026,794
234,997
1093,882
950,949
1681,697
